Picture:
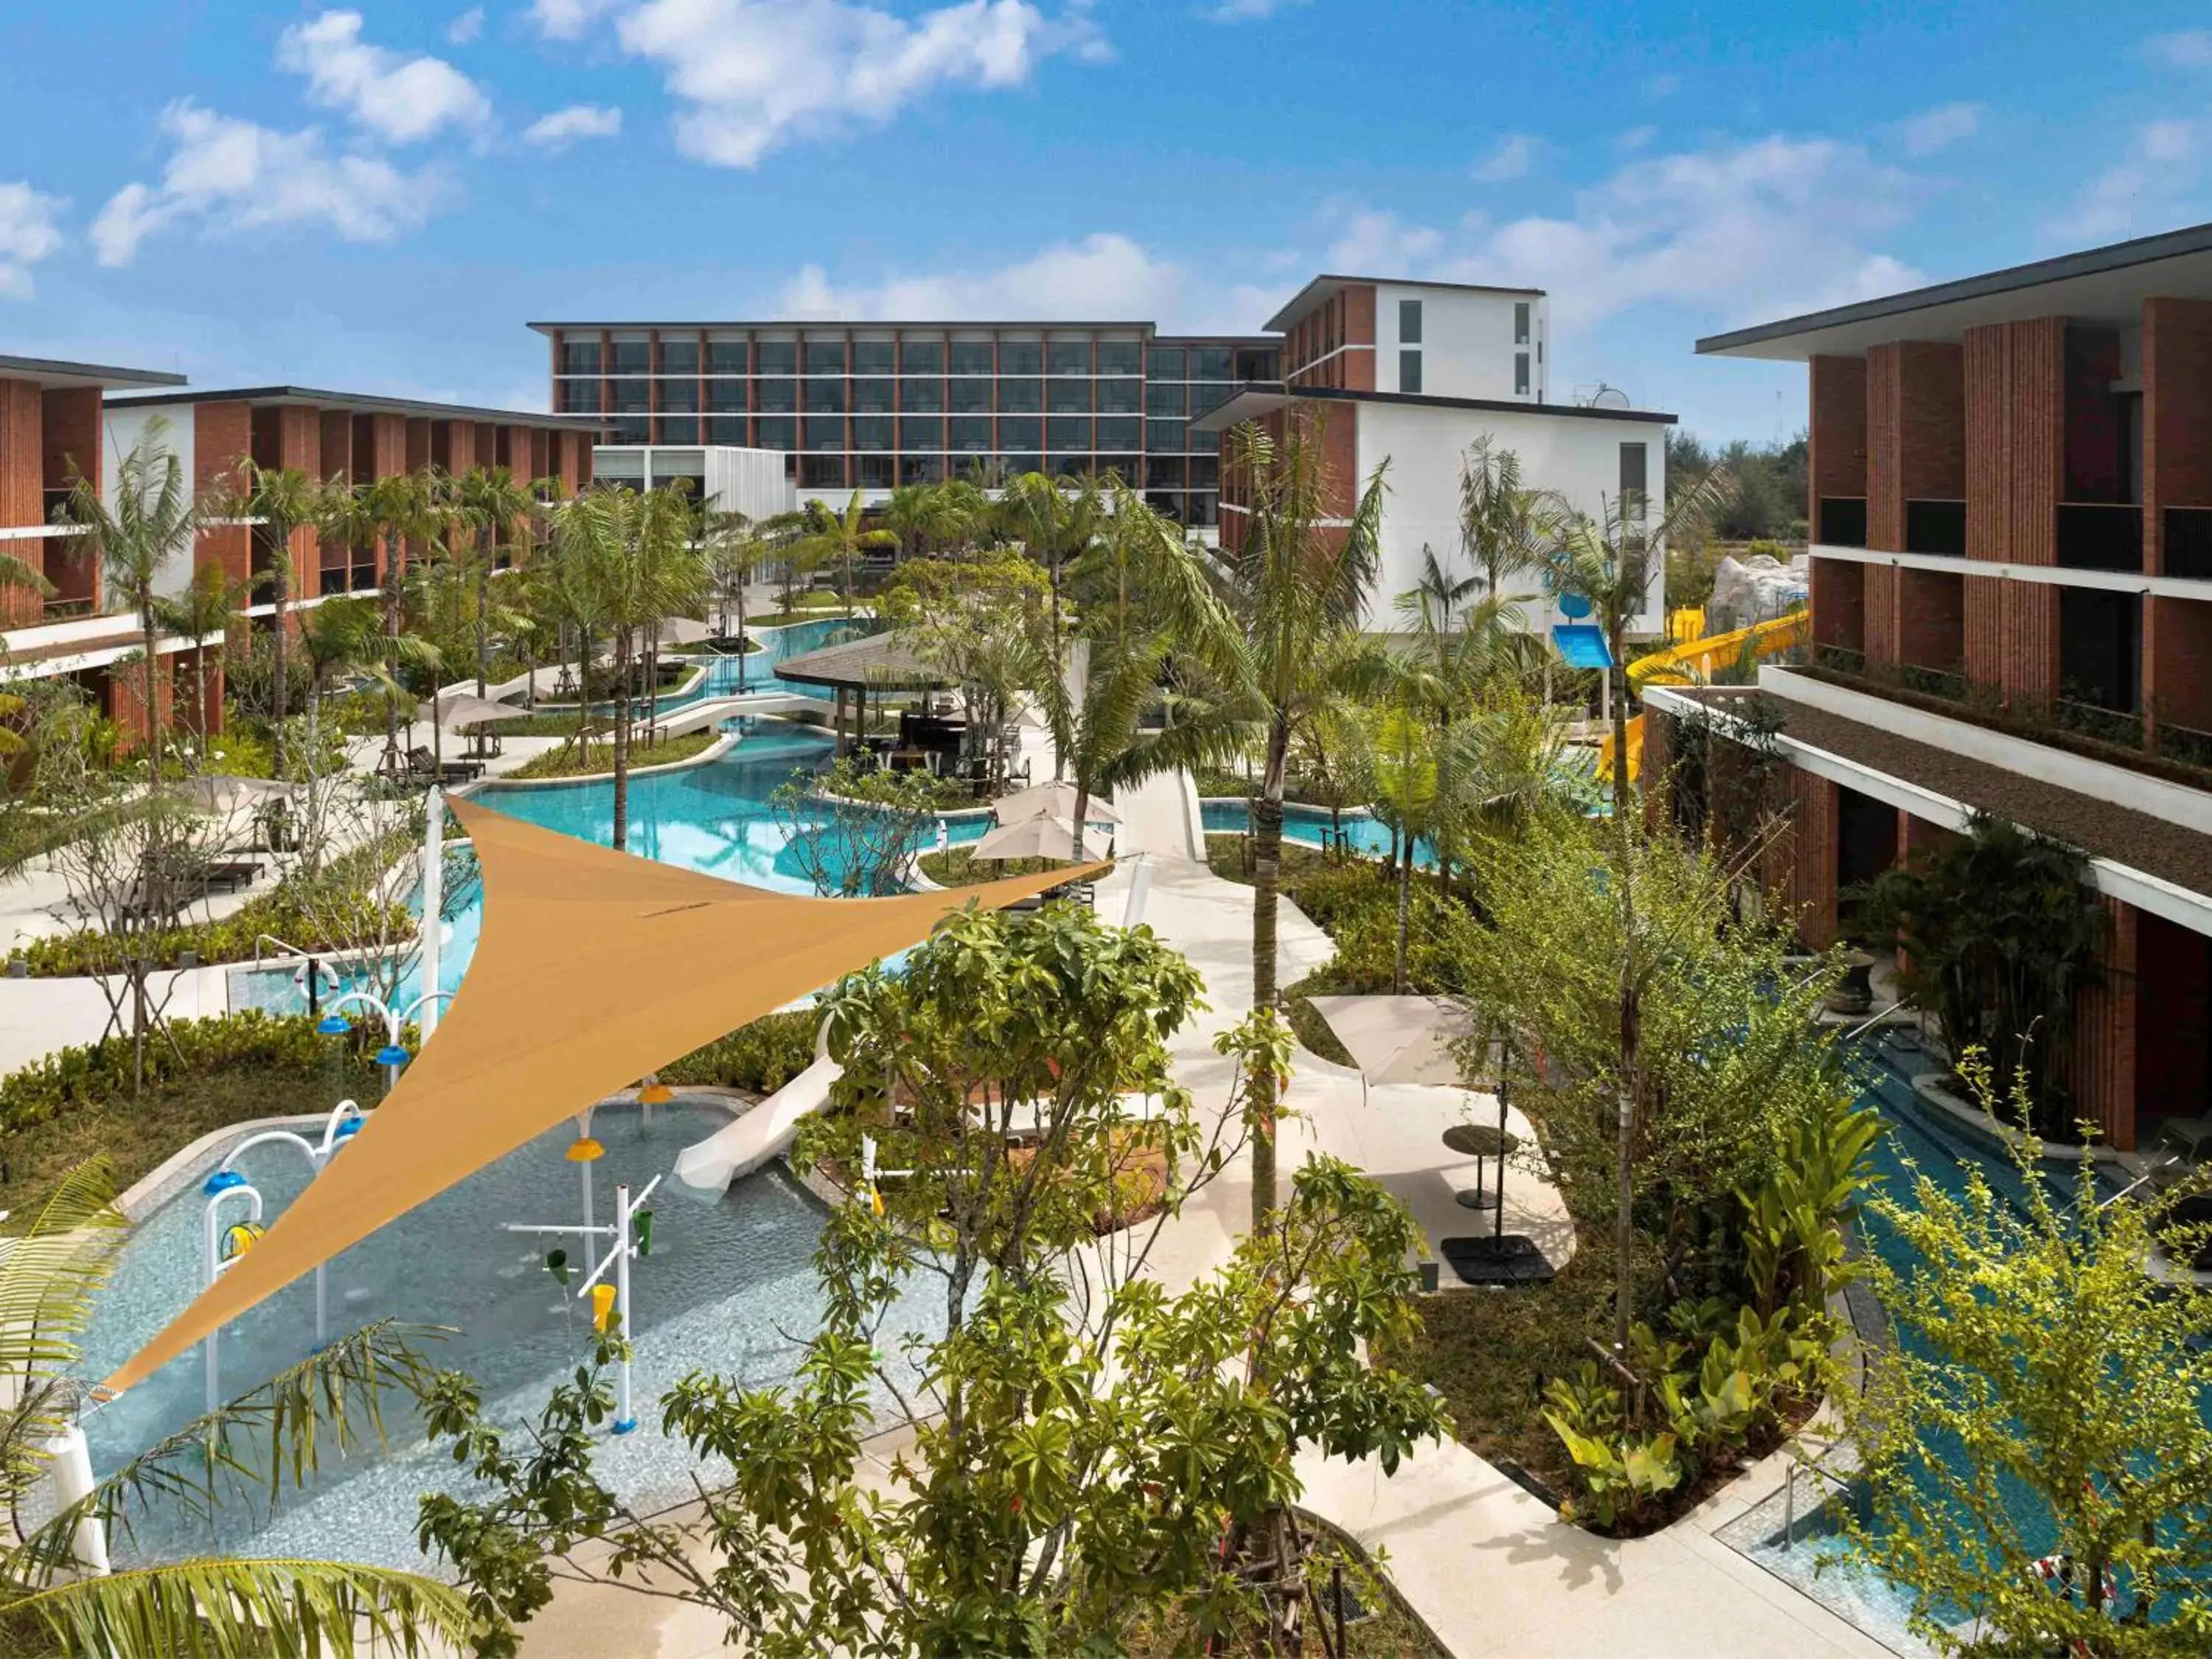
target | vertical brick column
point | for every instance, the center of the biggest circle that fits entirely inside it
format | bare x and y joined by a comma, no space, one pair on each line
1359,367
1916,442
222,438
1799,864
124,698
69,446
2177,472
2101,1069
300,449
2016,460
22,479
1836,462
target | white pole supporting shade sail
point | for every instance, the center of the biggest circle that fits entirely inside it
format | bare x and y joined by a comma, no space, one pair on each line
570,998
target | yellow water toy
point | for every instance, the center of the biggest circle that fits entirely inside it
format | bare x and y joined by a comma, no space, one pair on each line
603,1306
585,1150
239,1238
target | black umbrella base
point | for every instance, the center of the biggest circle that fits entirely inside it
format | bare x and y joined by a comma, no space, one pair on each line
1510,1259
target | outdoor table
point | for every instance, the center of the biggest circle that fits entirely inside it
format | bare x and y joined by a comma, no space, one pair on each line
1479,1141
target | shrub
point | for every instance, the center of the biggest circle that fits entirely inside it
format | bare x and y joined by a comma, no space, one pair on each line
761,1057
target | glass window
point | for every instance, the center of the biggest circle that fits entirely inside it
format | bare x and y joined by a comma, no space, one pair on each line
679,430
1022,435
1121,357
1634,478
633,357
1521,374
922,396
1257,363
973,357
633,429
1124,467
1021,397
1067,397
1205,511
1164,473
1069,357
679,397
1205,397
1164,363
930,433
776,357
1119,434
1070,466
777,396
1409,371
631,396
877,472
822,472
725,428
1021,356
577,398
971,396
776,432
1206,443
825,356
825,432
680,356
1409,322
824,395
726,396
1164,435
1118,397
1062,435
874,356
970,437
921,469
1210,363
873,397
1205,472
873,432
1013,467
922,356
1521,322
579,357
1167,398
1170,505
726,357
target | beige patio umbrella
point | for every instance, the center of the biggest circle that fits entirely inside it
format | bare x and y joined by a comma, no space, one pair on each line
1052,800
1040,837
463,709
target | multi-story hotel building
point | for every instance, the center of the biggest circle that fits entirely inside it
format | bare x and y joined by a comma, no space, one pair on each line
59,420
2011,583
869,407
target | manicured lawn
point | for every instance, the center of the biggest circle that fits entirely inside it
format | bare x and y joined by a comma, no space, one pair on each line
567,763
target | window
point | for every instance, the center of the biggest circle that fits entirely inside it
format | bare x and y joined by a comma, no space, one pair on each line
1070,466
777,396
633,357
1120,357
973,357
873,397
1021,397
1123,467
825,396
873,356
633,429
577,398
1165,362
971,437
680,356
1170,505
825,432
921,469
971,396
930,433
1167,398
631,397
776,432
1164,473
679,430
873,432
725,397
1118,397
877,472
1635,464
579,357
1205,397
922,396
1409,322
726,357
725,428
1207,443
1409,371
679,397
1021,356
1520,373
1015,466
1521,322
1210,363
1118,435
1257,364
1064,434
1022,435
1069,357
1164,437
1067,397
822,472
1205,472
1203,511
776,357
922,356
825,356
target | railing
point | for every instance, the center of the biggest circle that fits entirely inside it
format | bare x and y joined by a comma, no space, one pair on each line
62,609
2123,726
1933,681
1936,527
2187,551
1841,657
2184,743
1842,521
2101,536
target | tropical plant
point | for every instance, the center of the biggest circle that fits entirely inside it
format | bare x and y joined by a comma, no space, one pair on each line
284,500
1407,799
500,508
206,608
734,549
839,538
1053,521
851,842
1504,528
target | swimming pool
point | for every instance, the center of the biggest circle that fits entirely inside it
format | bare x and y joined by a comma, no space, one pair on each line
730,1287
727,676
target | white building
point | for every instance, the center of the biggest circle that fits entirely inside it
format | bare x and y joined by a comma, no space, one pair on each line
756,483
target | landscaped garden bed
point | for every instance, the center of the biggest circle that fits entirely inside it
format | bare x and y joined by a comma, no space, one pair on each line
570,762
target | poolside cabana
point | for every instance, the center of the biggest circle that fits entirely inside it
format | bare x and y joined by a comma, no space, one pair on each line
852,668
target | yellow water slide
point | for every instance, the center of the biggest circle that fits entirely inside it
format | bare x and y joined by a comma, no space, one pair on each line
1700,659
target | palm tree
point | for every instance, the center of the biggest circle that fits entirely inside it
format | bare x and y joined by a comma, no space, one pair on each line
1406,794
1053,523
205,609
219,1607
499,508
285,500
1503,527
404,512
734,548
150,525
840,537
1610,560
1299,584
20,576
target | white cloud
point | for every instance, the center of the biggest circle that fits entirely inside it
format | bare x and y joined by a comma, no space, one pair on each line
401,99
1635,138
2185,49
1657,89
1509,158
2142,191
1938,128
466,27
564,127
1245,11
230,174
28,233
752,75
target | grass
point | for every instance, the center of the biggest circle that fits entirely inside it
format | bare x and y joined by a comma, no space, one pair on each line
567,763
957,867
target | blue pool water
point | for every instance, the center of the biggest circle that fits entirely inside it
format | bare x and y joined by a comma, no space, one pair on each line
1310,826
756,672
730,1287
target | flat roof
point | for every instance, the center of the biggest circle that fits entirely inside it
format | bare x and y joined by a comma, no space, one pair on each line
1257,398
2101,284
1326,286
873,662
368,402
1153,330
58,373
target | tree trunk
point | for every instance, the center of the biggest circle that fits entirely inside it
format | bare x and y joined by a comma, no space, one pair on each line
583,695
744,644
622,740
483,626
391,650
1624,1229
279,699
1266,839
1405,910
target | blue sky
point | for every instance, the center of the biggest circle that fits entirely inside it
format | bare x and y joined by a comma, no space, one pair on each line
376,199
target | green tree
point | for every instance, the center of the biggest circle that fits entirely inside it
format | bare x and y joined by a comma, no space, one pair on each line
210,603
735,549
500,508
1404,746
839,538
286,500
1053,521
2043,1403
1503,526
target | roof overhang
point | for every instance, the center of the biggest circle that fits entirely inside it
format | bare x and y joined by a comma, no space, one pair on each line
1258,398
1326,287
356,403
2104,285
53,374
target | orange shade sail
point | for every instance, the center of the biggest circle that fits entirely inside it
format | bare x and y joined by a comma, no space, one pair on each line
593,967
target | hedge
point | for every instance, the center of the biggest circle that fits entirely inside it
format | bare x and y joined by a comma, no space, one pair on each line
759,1058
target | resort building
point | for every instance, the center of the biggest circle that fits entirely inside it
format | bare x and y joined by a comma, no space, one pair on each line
2011,589
82,423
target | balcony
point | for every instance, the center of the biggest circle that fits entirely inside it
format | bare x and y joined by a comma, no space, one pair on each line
1936,527
2188,550
2101,536
1842,521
